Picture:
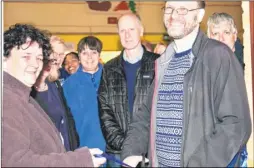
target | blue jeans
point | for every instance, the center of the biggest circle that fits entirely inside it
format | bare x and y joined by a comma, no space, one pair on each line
112,163
243,158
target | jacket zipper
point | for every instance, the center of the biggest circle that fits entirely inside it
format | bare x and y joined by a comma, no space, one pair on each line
134,97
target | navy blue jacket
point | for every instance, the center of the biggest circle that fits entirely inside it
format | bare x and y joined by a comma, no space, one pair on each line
53,103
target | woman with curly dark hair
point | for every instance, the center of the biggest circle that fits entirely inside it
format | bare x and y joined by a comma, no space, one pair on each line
29,136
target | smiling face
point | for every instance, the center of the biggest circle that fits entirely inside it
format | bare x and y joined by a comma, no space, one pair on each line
89,59
59,49
25,63
179,26
71,63
130,31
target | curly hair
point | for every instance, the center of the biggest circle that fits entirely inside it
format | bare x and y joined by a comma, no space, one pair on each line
17,35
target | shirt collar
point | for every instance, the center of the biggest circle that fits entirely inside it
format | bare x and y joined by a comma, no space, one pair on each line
135,59
187,42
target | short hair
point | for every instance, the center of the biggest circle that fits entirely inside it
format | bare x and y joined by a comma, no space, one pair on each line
217,18
93,43
201,4
17,35
55,39
134,15
70,53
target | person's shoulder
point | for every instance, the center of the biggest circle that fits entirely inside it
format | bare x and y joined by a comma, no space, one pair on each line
71,80
151,56
217,50
216,54
112,63
12,103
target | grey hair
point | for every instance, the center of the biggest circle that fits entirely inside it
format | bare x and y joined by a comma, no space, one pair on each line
135,16
217,18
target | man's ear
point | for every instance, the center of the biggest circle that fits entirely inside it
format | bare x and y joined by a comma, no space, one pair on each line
236,33
141,31
201,14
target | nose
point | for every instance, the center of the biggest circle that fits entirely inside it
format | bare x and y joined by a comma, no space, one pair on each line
221,38
34,62
174,14
70,64
127,34
89,55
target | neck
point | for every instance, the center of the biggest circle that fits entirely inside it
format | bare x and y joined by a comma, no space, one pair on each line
91,71
133,52
186,42
233,49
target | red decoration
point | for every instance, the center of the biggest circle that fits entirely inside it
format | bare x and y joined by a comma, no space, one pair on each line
99,6
112,20
123,5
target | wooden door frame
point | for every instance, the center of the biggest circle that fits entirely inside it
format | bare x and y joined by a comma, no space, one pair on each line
252,45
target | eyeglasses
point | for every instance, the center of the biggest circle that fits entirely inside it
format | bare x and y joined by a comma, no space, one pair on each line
58,54
50,61
179,11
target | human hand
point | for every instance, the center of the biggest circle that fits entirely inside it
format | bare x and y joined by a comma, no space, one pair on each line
134,160
45,70
160,48
97,161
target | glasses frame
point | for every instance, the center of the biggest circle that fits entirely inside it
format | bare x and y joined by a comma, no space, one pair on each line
177,10
50,61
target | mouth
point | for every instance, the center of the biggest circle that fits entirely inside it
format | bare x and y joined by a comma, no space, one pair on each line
175,24
71,69
90,62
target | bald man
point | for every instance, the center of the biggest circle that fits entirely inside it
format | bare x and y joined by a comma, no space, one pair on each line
124,84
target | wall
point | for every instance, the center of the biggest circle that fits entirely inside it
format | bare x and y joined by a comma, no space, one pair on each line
72,20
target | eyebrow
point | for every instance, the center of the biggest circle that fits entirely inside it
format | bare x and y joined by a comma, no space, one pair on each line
27,53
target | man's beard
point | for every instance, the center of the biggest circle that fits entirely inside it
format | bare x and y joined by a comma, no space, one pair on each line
186,31
53,76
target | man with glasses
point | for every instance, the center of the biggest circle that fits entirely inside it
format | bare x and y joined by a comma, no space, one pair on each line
59,49
47,91
197,113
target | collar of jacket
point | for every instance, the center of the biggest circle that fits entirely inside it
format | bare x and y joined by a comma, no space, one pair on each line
118,64
136,59
16,86
169,52
80,69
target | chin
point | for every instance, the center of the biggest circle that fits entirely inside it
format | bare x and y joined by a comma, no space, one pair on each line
29,83
130,47
176,35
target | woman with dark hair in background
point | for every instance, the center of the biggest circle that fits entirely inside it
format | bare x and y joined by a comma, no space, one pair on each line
80,91
71,63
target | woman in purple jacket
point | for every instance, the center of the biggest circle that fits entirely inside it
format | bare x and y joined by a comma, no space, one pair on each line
29,136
